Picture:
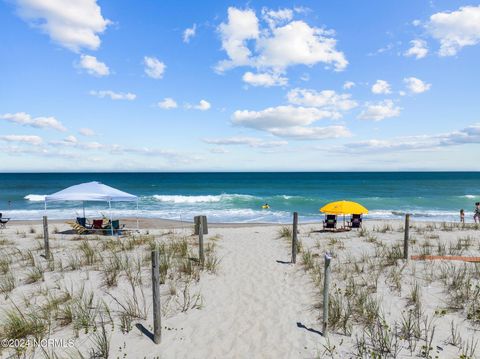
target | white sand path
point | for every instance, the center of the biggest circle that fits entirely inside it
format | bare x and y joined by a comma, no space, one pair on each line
252,306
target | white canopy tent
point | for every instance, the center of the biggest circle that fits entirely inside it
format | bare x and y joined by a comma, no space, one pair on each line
92,191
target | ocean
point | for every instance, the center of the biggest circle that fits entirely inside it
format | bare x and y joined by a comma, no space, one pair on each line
238,197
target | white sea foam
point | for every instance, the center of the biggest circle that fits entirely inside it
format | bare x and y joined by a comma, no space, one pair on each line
470,196
220,208
231,215
35,197
436,215
201,199
215,216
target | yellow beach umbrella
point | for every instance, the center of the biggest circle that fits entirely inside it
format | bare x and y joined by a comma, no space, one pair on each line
344,207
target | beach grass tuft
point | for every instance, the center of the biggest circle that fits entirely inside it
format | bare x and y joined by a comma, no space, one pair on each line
7,283
285,232
19,325
34,275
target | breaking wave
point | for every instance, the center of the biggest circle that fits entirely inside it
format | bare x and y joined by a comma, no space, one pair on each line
202,199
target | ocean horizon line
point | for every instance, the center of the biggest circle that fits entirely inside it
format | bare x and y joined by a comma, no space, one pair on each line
240,171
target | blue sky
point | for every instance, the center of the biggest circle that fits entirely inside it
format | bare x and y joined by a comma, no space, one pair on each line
308,85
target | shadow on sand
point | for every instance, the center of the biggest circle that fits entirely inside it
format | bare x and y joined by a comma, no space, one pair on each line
68,231
331,230
300,325
144,331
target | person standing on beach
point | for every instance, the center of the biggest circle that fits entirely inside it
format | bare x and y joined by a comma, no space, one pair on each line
476,216
462,216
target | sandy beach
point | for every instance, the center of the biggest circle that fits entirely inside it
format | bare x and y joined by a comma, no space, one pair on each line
249,300
332,148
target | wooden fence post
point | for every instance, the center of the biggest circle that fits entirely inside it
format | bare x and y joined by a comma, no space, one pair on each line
45,238
294,238
201,254
405,239
157,321
326,285
196,220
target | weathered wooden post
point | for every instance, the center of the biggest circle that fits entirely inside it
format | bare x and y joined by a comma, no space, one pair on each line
45,237
157,321
196,220
405,239
201,254
294,238
326,285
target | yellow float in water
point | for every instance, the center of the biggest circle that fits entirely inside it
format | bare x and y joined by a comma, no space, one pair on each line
265,206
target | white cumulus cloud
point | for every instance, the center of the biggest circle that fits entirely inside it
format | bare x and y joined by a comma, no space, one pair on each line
297,43
415,85
218,150
154,68
32,140
380,110
71,139
348,85
203,105
242,25
290,122
87,132
455,30
416,22
167,103
326,99
93,66
280,116
189,33
283,43
418,49
264,79
25,119
381,87
470,134
312,133
247,141
114,95
276,17
74,25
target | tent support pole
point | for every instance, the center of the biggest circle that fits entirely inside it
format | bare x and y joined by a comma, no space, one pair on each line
111,216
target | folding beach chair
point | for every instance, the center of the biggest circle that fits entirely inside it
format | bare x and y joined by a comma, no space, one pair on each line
3,221
330,222
82,221
355,221
117,228
77,227
97,224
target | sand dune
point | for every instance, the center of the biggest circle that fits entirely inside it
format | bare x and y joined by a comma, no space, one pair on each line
253,302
